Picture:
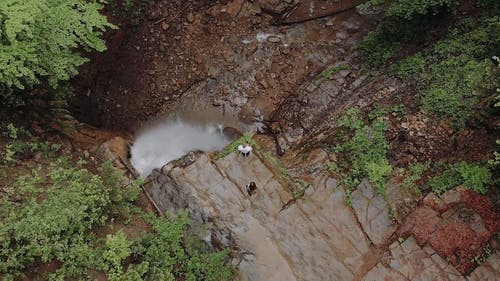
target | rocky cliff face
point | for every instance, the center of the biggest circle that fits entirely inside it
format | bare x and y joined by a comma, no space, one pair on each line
316,237
293,82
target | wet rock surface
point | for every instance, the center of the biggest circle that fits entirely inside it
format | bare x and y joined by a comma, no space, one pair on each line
410,262
314,237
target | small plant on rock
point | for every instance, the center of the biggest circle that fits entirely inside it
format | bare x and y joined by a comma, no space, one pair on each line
363,152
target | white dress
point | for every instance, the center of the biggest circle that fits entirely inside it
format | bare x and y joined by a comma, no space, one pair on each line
244,149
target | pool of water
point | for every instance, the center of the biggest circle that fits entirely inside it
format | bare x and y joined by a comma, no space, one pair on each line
171,139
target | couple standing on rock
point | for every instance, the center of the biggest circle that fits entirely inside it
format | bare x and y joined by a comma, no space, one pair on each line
245,150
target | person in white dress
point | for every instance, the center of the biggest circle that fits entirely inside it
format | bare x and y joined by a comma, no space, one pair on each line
244,149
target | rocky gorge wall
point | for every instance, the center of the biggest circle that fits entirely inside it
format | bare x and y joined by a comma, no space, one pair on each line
237,58
316,237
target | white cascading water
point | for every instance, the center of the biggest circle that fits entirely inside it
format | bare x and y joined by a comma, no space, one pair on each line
170,140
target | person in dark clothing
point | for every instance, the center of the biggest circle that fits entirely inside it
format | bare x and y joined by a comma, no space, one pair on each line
251,188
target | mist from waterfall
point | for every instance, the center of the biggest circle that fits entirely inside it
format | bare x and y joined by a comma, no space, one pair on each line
170,140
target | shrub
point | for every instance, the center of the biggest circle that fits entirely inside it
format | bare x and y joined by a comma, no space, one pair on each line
461,73
55,211
472,176
405,21
456,73
167,256
117,249
413,174
39,39
57,227
409,67
75,201
409,9
120,196
365,152
375,50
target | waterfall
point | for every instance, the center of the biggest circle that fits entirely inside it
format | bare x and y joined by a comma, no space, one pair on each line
170,140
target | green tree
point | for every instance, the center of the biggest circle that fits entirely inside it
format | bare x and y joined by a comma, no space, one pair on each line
40,40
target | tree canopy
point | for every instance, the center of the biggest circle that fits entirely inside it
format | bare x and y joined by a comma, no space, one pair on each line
40,40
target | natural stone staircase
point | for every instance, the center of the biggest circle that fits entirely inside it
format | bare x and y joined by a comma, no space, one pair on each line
409,261
316,237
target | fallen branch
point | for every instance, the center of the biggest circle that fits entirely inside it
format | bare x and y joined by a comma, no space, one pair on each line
134,173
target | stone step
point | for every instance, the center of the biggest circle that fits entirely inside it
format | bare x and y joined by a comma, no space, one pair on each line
410,262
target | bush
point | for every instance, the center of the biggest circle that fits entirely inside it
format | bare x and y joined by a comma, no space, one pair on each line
57,227
375,50
409,9
45,230
413,174
39,39
461,74
405,21
365,151
117,249
168,258
472,176
409,67
53,218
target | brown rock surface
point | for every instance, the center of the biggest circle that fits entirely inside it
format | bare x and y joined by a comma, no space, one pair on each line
316,238
410,262
373,213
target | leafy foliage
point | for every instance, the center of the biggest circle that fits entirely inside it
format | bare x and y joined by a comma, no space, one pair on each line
167,256
75,202
21,142
375,50
38,39
117,249
413,174
50,214
454,75
409,67
409,9
472,176
405,21
460,73
365,152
